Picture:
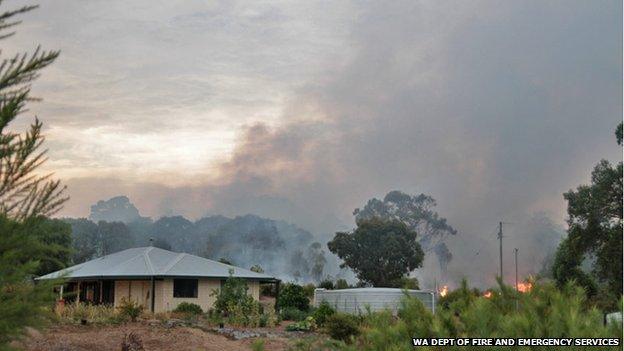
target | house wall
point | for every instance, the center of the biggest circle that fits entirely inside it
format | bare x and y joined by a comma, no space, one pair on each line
136,290
139,291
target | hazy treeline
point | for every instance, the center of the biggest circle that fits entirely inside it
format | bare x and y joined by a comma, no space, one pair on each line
278,247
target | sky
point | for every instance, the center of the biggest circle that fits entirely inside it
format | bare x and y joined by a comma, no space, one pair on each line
305,110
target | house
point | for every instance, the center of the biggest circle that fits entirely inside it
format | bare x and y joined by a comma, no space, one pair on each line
155,278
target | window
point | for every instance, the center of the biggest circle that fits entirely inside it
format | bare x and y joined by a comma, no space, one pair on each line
185,288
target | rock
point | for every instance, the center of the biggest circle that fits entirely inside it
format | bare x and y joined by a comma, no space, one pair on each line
174,322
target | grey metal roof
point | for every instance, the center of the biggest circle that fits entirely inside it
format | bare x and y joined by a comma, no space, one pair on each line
152,261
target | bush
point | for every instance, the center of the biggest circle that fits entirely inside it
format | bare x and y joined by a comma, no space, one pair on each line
308,289
78,311
130,309
342,284
293,314
293,295
543,312
188,308
342,326
305,325
322,313
326,284
234,292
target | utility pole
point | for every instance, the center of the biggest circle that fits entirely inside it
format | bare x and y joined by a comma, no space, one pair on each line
516,259
516,253
500,238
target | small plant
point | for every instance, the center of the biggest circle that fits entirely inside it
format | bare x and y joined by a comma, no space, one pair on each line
130,309
342,326
258,345
309,324
293,295
293,314
322,313
188,308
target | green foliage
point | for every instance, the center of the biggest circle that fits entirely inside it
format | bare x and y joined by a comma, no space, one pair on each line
326,284
323,312
306,325
595,230
24,254
239,308
26,195
188,308
543,312
418,213
341,326
293,295
459,299
342,284
293,314
129,308
308,289
258,345
234,291
380,252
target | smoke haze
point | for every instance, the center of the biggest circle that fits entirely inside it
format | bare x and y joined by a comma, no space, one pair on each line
304,112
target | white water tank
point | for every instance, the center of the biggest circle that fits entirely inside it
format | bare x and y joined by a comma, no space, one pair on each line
355,301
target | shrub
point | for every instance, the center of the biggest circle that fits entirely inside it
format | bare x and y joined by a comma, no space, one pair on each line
322,313
307,324
341,326
293,314
326,284
258,345
188,308
543,312
130,309
244,315
342,284
293,295
232,293
99,314
308,289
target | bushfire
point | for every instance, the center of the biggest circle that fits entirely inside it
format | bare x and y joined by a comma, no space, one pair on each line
524,287
444,291
487,294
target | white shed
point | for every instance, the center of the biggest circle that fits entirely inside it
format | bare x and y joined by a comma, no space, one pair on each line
355,301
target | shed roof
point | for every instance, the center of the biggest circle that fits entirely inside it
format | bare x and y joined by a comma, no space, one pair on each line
144,262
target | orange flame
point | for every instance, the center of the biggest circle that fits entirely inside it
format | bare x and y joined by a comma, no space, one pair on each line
487,294
444,291
524,287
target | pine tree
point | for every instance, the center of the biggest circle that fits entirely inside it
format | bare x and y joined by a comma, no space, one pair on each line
26,196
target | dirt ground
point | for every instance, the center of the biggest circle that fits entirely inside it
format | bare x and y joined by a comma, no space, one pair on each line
154,338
